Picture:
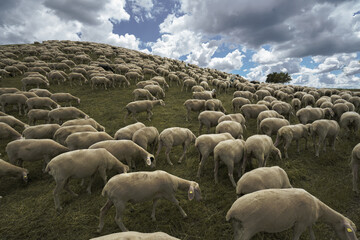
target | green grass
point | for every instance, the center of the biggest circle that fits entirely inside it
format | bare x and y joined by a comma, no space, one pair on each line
28,212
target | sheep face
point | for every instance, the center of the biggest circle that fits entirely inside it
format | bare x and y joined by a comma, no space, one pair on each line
346,230
162,103
24,176
194,192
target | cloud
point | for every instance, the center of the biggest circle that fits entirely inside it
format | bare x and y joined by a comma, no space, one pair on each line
353,68
141,9
231,61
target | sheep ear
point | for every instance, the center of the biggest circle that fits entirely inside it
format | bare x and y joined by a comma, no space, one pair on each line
191,193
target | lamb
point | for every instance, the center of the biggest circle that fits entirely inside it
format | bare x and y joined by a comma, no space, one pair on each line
13,99
87,121
142,106
350,121
13,122
126,150
195,105
66,113
209,119
309,115
214,105
232,127
63,132
270,126
231,152
292,207
175,136
262,178
238,102
267,114
8,133
146,136
136,235
260,147
140,93
323,129
8,169
41,131
292,132
252,110
81,164
41,102
33,80
206,143
64,98
33,150
355,161
128,131
144,186
237,117
206,95
83,140
37,114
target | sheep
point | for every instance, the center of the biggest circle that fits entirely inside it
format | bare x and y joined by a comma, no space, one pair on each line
350,121
136,235
65,98
209,119
195,105
134,76
31,150
99,80
308,99
270,126
37,114
323,129
231,152
41,102
87,121
296,104
252,110
237,117
174,78
267,114
63,132
66,113
262,93
33,80
339,109
146,136
58,76
309,115
161,81
140,93
206,95
128,131
13,122
41,92
142,106
14,71
144,186
262,178
41,131
276,210
8,133
232,127
156,90
197,88
260,147
81,164
355,161
83,140
78,77
206,143
214,105
282,108
245,94
126,150
188,83
174,136
13,99
238,102
142,84
8,169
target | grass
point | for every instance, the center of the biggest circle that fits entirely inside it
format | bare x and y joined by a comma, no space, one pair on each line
28,212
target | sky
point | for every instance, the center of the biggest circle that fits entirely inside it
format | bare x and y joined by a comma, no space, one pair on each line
316,41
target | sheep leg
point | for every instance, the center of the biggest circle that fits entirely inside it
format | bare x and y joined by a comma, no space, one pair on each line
126,116
88,189
59,186
355,168
118,218
311,232
134,116
298,230
167,153
239,232
231,173
103,212
155,202
157,152
187,115
216,169
66,187
202,163
200,128
287,144
176,202
149,115
102,173
184,153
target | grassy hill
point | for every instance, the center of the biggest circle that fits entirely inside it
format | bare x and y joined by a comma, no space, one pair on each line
28,212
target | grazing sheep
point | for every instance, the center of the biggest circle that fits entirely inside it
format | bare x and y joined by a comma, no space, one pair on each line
296,104
14,71
41,131
206,143
144,186
100,80
270,126
33,80
41,92
83,140
31,150
142,84
245,94
8,90
8,169
81,164
209,119
197,88
78,77
262,178
119,79
63,132
308,99
276,210
238,102
267,114
59,77
237,117
134,76
205,95
66,113
87,121
252,110
355,161
136,236
214,105
161,81
232,127
292,132
283,108
142,106
8,133
195,105
174,136
350,121
13,122
174,78
13,99
41,102
323,129
339,109
309,115
64,98
156,91
259,147
126,150
128,131
188,83
37,114
231,152
146,136
141,94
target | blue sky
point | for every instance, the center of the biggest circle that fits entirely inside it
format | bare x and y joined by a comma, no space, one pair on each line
316,41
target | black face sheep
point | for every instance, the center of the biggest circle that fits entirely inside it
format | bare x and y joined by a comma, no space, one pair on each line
126,150
41,131
146,136
144,186
8,169
63,132
175,136
83,140
321,130
355,161
209,119
262,178
81,164
133,108
230,152
128,131
87,121
309,115
195,105
270,126
62,114
276,210
8,133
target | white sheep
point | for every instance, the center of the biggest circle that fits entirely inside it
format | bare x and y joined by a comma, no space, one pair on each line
37,114
209,119
237,117
206,95
232,127
188,83
13,99
206,143
63,132
87,121
267,114
81,164
83,140
126,150
175,136
276,210
252,110
33,80
64,98
355,161
144,186
271,125
78,77
41,102
230,152
62,114
100,80
8,133
156,91
133,108
350,121
13,122
214,105
322,129
262,178
195,105
309,115
140,93
41,131
8,169
41,92
238,102
136,236
146,136
128,131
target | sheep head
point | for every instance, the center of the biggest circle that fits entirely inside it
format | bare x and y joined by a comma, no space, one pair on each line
194,191
346,230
